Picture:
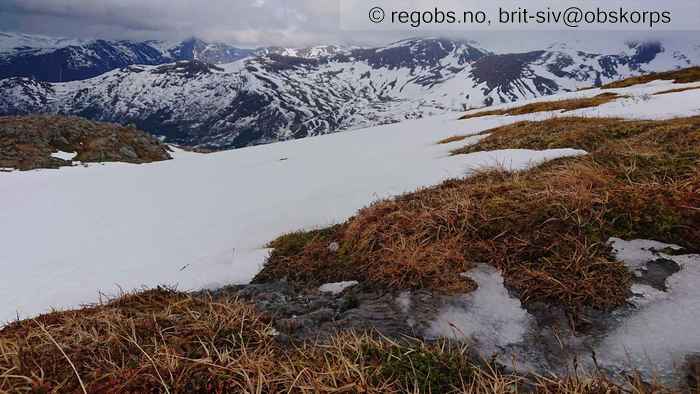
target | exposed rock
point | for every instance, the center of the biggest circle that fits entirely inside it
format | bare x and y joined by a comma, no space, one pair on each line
315,314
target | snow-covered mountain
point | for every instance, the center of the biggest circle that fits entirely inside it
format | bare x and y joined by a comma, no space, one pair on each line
271,96
315,52
59,60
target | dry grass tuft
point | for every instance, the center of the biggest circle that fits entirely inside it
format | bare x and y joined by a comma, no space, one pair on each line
306,258
560,105
679,90
686,75
599,384
162,341
546,228
157,341
455,138
493,112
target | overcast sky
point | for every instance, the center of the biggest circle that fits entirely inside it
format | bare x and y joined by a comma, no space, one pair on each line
247,23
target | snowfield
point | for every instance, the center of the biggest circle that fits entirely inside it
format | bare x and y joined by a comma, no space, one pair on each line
202,221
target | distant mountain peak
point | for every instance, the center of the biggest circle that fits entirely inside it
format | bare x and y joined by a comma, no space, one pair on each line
28,56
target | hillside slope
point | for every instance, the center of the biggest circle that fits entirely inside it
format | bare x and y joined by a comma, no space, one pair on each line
195,217
538,265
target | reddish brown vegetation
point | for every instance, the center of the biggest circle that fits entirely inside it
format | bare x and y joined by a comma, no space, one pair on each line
162,341
546,228
686,75
679,90
543,106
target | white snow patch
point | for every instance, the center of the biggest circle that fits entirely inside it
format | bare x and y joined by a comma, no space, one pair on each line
656,338
67,156
489,315
337,287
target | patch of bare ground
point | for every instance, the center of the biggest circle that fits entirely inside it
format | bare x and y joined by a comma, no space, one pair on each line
686,75
546,228
27,142
559,105
162,341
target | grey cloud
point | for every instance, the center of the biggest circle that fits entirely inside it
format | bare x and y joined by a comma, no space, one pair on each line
242,22
254,20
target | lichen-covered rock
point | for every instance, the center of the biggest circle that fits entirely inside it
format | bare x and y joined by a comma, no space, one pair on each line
31,142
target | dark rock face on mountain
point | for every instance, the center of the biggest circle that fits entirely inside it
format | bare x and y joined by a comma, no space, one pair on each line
279,94
215,53
416,53
74,61
29,142
509,73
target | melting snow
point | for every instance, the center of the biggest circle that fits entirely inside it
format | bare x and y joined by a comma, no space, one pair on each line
488,315
636,253
664,329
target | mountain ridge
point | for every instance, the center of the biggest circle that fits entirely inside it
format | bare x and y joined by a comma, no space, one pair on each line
63,60
273,96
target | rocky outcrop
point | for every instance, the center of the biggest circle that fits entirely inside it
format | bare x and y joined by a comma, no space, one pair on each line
31,142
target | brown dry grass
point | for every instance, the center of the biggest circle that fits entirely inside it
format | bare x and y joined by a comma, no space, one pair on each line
598,385
162,341
454,138
565,105
679,90
493,112
546,227
686,75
